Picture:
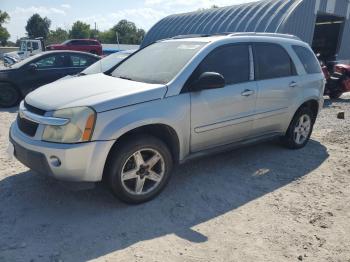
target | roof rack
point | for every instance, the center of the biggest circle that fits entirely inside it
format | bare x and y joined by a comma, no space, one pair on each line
265,34
232,34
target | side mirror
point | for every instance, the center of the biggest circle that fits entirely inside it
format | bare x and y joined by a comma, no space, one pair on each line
208,80
33,67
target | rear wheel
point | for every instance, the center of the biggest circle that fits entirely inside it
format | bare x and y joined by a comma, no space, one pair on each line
139,169
93,52
9,95
300,129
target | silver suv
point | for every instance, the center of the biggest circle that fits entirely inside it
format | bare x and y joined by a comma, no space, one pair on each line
167,103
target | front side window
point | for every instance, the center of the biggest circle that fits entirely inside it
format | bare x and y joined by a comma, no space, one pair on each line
158,63
272,61
52,61
231,61
308,59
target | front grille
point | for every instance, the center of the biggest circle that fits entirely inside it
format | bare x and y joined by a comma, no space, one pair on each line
26,126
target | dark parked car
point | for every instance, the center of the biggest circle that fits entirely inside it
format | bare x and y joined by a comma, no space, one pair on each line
84,45
17,80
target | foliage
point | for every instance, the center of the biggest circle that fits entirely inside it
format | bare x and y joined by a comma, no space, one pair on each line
127,33
80,30
38,26
57,36
4,34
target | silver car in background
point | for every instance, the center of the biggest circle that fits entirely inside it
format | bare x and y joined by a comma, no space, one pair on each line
167,103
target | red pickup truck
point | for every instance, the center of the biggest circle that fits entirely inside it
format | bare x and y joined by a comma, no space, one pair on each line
85,45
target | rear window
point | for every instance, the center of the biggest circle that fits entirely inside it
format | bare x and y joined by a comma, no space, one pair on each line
307,58
273,61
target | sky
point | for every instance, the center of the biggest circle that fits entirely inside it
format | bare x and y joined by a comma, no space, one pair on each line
63,13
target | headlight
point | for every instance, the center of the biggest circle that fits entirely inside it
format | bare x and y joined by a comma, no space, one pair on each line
79,128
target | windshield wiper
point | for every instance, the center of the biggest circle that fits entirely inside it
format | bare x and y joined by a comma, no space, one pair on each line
125,77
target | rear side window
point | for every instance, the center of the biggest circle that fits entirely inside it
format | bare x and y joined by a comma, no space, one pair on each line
80,61
307,58
272,61
231,61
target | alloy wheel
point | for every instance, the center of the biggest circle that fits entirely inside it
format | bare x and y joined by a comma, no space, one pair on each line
143,171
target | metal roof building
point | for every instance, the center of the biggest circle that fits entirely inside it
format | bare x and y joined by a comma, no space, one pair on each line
324,24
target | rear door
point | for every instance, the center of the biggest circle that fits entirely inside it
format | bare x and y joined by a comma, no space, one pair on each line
78,62
224,115
277,83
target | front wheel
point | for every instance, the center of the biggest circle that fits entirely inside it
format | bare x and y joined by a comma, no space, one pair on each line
300,129
9,95
139,168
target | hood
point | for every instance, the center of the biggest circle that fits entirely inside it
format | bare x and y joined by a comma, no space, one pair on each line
15,54
99,91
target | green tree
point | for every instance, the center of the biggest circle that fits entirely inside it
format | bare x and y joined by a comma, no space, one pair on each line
4,34
57,36
128,33
38,26
80,30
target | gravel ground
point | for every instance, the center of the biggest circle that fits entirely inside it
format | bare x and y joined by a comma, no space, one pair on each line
261,203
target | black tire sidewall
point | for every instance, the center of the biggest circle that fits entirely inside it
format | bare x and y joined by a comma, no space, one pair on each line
288,139
15,93
120,155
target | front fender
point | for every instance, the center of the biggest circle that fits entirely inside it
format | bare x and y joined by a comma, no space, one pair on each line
173,112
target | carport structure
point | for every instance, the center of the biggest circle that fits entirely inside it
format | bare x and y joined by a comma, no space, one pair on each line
324,24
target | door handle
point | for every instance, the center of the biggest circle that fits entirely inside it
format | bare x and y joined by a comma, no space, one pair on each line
293,84
247,92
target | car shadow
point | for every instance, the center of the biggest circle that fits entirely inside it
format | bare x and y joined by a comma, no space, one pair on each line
9,110
41,219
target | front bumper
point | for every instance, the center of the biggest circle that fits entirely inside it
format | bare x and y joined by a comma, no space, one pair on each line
82,162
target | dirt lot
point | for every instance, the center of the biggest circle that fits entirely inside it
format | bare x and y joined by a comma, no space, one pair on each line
261,203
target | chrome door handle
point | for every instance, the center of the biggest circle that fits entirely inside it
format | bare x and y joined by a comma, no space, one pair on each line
293,84
247,92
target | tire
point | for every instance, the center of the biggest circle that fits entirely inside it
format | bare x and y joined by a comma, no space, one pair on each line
9,95
93,52
335,95
124,174
290,139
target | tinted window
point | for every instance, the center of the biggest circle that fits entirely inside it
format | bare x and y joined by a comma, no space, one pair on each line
158,63
52,61
272,62
35,45
80,61
308,60
232,62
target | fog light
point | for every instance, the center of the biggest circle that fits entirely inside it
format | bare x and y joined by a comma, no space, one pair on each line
55,161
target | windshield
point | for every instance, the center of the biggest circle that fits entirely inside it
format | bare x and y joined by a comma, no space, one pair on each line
158,63
105,64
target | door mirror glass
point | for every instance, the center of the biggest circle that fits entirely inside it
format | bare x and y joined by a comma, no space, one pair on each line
33,67
208,80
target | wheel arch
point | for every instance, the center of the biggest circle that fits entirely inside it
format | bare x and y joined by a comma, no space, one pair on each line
313,104
164,132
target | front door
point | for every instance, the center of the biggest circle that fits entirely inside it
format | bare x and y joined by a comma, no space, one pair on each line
224,115
49,68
